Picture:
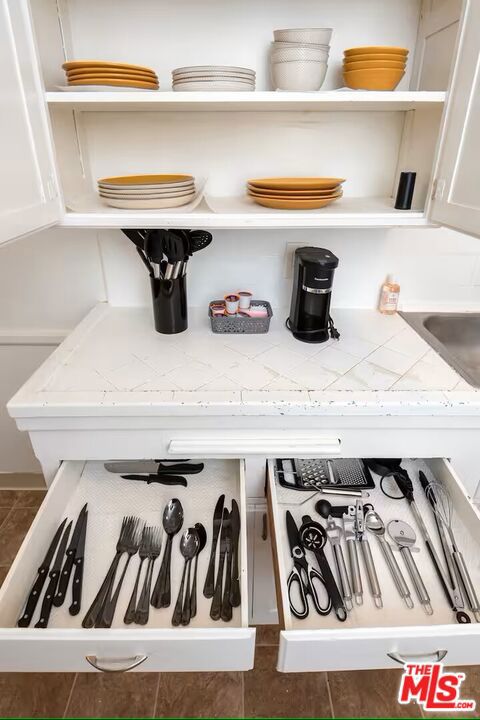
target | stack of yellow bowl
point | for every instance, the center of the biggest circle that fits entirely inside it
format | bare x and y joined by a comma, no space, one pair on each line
294,193
374,68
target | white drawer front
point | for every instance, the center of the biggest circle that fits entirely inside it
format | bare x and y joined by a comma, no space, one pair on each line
64,646
370,635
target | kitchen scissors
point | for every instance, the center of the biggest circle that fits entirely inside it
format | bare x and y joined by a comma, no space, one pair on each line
301,581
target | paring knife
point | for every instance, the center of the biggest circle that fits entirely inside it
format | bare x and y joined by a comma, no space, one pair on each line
235,597
68,565
32,600
160,479
154,467
77,581
216,607
208,588
54,574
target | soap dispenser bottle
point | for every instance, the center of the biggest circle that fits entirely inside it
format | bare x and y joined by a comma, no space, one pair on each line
389,296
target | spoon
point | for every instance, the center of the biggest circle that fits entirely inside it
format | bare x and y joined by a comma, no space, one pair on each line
189,544
202,534
172,523
375,524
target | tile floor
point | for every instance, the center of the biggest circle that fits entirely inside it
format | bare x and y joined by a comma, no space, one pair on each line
261,692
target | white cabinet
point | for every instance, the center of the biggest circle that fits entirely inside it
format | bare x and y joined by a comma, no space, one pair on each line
30,198
229,137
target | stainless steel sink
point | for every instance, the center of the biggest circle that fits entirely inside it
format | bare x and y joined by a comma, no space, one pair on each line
455,336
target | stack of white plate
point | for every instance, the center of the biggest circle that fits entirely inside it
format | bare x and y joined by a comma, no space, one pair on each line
299,58
147,192
213,77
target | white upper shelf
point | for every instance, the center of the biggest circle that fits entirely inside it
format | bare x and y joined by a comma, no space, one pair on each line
330,100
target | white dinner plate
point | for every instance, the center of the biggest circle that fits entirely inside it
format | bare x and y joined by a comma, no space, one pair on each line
154,187
213,68
220,73
156,204
235,87
152,195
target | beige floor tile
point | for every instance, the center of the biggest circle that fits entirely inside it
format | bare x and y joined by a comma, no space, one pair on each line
97,695
267,635
3,574
30,498
269,693
199,695
368,694
8,498
3,515
12,532
34,694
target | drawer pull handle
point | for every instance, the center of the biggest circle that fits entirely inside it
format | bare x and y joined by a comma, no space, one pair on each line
115,664
436,656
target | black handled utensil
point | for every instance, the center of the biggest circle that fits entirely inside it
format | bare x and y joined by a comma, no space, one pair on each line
216,607
160,479
172,524
42,573
235,596
71,552
77,582
54,574
208,588
154,467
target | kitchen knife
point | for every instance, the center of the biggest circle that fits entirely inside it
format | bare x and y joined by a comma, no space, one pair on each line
235,597
216,607
77,582
208,588
68,565
52,585
153,467
32,600
161,479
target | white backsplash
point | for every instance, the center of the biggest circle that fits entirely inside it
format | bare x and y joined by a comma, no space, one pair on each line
435,267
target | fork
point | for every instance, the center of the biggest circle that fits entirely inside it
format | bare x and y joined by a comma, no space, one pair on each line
143,552
132,545
95,610
143,607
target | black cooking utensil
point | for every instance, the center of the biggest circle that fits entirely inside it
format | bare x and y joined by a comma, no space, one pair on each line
226,610
159,479
54,574
314,537
199,239
151,467
325,509
136,236
209,586
216,607
70,557
172,523
42,573
235,597
77,582
202,535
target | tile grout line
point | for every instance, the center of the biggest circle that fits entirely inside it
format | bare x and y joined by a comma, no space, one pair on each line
329,692
156,697
70,695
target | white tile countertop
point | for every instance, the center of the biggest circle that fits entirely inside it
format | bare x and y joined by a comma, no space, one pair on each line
114,363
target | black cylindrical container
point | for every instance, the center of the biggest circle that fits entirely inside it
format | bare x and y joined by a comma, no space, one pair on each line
311,294
406,187
170,305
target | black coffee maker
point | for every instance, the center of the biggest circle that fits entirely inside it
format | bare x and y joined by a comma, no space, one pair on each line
310,319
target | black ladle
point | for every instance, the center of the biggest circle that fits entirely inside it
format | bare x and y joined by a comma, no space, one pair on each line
172,523
314,537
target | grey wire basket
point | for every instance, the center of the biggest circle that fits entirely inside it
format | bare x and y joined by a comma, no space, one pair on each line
240,324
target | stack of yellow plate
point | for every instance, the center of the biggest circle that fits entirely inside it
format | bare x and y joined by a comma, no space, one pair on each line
147,192
374,68
96,73
289,193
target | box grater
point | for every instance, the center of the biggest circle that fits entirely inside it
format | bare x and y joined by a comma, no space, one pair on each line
314,474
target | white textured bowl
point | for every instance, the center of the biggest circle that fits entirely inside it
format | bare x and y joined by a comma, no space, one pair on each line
312,46
301,53
298,75
319,36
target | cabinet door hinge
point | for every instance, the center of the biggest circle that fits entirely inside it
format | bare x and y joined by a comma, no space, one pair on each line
438,189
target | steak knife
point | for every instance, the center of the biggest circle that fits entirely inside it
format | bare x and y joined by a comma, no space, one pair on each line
208,588
154,467
42,573
160,479
52,585
68,565
77,582
216,607
235,597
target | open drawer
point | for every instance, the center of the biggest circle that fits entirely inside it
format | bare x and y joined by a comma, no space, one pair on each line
204,645
373,637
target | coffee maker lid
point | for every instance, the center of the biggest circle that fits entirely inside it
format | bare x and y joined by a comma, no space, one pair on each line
317,256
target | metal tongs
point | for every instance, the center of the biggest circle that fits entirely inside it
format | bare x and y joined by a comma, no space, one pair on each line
354,529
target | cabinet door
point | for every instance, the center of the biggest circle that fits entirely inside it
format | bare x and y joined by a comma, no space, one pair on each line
456,196
29,192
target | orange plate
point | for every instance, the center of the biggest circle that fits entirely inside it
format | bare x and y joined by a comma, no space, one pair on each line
292,183
77,74
376,49
331,195
293,193
282,204
368,64
76,64
123,180
94,80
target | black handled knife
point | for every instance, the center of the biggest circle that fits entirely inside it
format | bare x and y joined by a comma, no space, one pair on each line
42,573
77,581
160,479
68,565
54,574
235,597
209,588
153,467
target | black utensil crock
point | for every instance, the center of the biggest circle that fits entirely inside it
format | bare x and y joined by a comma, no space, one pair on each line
170,305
